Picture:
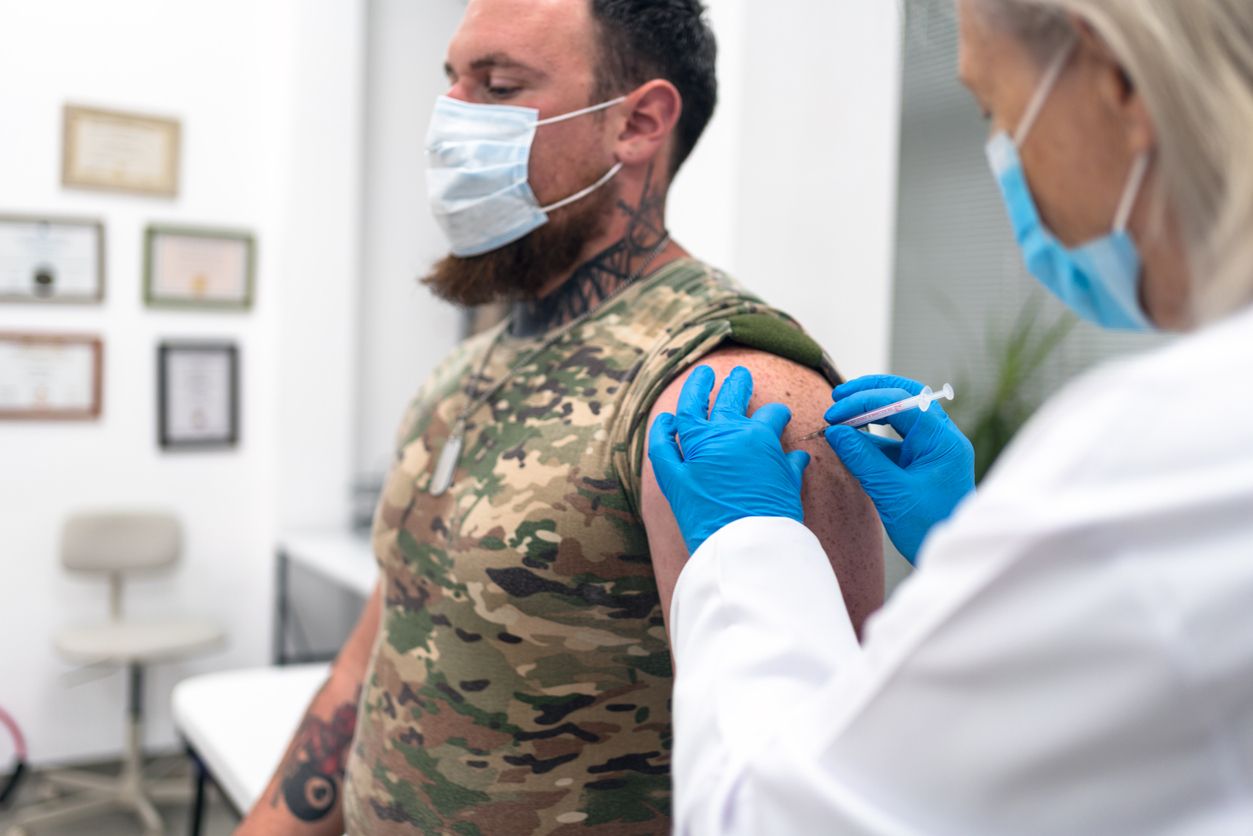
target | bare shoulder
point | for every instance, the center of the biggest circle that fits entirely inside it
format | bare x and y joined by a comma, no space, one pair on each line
775,379
836,508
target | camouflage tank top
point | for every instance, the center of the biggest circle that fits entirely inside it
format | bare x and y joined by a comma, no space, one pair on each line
521,678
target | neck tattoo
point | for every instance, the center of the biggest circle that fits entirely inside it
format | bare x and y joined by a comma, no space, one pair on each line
605,274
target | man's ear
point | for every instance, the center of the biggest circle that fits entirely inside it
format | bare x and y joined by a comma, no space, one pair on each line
1118,93
655,109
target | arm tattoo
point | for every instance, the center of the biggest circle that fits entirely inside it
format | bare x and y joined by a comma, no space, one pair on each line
314,771
597,279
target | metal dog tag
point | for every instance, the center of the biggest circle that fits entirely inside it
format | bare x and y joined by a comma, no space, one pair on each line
446,467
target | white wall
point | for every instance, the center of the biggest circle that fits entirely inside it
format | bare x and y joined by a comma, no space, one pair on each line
704,202
793,188
404,330
268,95
318,206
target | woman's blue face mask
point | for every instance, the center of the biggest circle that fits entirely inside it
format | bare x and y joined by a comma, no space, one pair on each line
1099,280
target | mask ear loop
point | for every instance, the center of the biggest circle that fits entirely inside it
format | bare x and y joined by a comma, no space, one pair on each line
605,178
581,112
1043,91
1139,169
579,195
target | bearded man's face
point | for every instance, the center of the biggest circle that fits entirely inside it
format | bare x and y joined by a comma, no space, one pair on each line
518,271
544,56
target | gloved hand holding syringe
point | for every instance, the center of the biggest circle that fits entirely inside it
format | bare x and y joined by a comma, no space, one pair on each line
921,401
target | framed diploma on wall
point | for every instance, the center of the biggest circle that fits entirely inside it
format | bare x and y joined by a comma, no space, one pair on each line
51,260
197,395
50,377
122,152
186,267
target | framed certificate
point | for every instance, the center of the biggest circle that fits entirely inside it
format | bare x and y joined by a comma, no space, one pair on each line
201,268
124,152
197,395
50,377
51,260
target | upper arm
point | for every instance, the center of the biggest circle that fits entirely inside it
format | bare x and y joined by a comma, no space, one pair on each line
836,508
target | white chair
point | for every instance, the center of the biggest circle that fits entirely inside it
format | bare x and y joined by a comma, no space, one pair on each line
115,545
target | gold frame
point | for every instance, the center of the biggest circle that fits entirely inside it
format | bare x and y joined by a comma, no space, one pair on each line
167,186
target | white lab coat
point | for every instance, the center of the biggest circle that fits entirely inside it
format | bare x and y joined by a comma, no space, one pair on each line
1074,655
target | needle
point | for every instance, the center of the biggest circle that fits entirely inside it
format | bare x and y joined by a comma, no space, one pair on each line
921,402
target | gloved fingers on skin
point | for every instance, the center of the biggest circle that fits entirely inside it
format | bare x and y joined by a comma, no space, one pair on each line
936,439
774,415
694,398
924,426
877,381
733,397
859,403
890,447
663,447
799,460
869,465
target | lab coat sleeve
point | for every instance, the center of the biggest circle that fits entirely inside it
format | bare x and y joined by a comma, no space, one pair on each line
759,625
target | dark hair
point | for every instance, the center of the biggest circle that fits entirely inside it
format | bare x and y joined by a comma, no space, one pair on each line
645,39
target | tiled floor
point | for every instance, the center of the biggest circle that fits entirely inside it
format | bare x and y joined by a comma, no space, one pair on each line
219,819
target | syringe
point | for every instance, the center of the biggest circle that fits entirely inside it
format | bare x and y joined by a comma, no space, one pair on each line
921,402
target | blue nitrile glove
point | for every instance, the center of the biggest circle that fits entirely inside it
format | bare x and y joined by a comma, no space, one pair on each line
914,483
730,466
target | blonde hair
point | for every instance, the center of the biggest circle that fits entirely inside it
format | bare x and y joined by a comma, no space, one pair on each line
1192,61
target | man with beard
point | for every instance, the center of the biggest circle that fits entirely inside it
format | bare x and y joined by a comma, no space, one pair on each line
512,673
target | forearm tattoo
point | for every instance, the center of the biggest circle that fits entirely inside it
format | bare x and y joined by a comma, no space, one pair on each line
314,771
597,279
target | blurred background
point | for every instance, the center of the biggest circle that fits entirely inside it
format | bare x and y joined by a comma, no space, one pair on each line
842,178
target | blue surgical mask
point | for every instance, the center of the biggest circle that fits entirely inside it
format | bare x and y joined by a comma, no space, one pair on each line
1099,280
477,173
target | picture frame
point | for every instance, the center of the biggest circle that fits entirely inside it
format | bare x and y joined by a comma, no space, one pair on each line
117,151
199,267
51,377
197,395
51,260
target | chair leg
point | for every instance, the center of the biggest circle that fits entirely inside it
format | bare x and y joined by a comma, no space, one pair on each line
59,810
147,813
126,790
75,779
169,790
132,763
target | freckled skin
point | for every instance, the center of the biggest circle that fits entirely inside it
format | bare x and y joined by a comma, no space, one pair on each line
836,508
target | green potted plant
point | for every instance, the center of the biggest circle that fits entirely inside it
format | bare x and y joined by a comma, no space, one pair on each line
992,419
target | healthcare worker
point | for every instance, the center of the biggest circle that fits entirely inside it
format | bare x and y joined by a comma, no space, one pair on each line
1075,652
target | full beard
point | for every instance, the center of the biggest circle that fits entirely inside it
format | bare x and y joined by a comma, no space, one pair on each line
519,271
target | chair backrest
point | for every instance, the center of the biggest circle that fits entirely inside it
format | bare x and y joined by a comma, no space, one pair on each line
120,542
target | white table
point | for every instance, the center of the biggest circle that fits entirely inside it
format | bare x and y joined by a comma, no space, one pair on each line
237,724
339,555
